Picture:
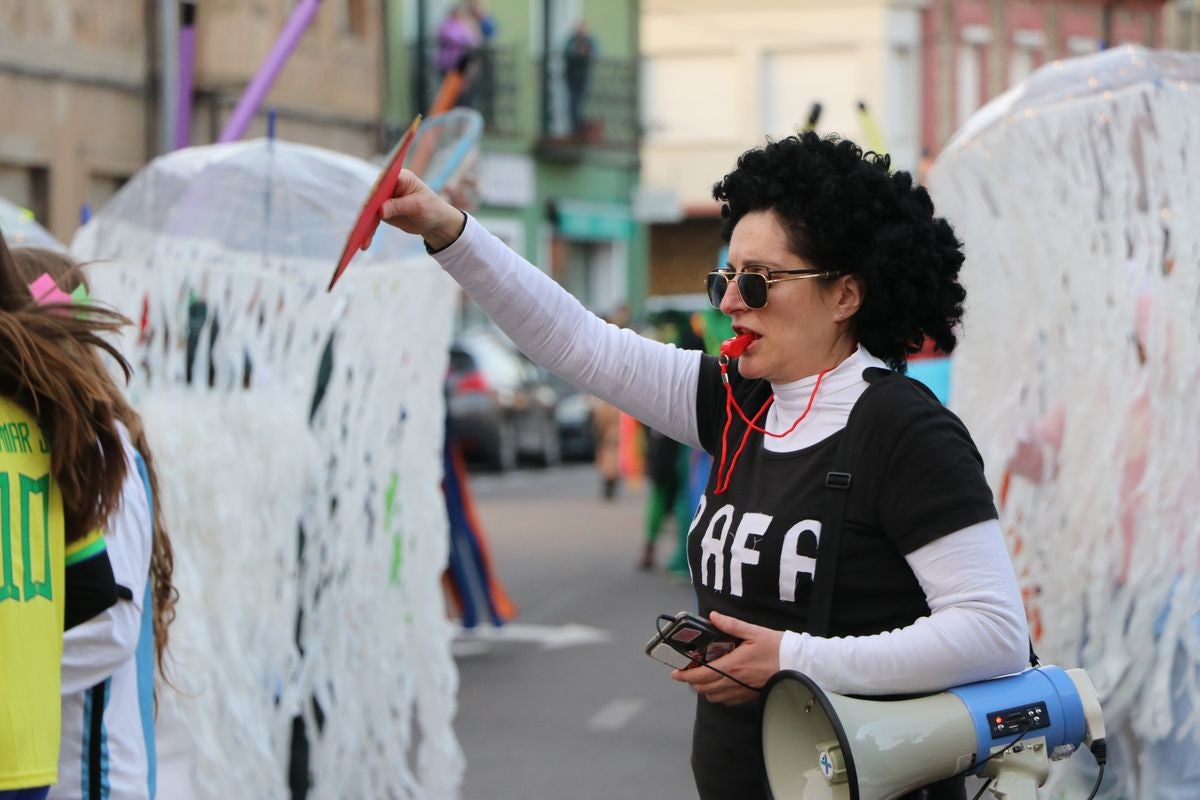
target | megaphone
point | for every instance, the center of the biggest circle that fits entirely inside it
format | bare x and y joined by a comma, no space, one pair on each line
819,745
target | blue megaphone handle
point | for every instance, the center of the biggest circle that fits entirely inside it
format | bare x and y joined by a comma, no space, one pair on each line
994,701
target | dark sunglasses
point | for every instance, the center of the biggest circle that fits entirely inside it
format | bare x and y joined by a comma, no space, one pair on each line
753,285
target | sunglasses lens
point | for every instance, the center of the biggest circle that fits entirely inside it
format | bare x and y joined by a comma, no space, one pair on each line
753,288
716,284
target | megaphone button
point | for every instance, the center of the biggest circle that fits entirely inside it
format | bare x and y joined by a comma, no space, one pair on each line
829,757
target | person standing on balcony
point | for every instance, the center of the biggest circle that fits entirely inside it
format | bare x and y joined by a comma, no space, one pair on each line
483,20
458,40
577,65
484,79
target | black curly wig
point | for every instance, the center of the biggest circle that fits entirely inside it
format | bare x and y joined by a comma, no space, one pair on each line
845,210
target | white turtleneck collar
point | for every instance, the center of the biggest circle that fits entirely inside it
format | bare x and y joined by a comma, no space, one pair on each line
840,390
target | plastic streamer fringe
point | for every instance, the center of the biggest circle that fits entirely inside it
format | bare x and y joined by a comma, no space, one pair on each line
310,537
1078,373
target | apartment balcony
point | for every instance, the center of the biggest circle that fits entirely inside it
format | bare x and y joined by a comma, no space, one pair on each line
491,87
597,113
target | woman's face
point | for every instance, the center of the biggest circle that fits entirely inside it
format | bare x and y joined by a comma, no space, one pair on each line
796,332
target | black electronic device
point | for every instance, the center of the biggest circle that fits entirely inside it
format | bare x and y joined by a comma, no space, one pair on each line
686,641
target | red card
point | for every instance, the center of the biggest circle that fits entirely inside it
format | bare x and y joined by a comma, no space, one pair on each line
369,217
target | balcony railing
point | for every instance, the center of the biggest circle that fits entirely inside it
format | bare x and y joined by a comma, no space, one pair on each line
596,108
600,112
491,87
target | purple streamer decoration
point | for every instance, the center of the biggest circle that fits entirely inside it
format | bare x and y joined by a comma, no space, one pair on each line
252,98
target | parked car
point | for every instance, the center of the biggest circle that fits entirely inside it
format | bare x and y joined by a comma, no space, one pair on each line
574,416
501,404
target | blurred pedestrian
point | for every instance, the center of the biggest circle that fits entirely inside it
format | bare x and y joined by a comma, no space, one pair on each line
483,79
693,464
485,23
606,425
662,460
578,55
667,461
458,41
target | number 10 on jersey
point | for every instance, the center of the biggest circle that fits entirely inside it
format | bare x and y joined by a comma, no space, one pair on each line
30,542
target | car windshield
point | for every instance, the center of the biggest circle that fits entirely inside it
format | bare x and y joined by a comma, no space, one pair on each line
501,365
461,361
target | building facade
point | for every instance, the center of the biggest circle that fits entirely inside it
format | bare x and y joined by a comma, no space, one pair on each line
330,91
98,84
1181,25
89,85
974,50
74,83
556,189
719,78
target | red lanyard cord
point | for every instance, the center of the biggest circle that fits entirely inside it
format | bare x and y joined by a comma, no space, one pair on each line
724,475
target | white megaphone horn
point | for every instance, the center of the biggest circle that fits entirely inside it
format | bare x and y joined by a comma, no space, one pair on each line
819,745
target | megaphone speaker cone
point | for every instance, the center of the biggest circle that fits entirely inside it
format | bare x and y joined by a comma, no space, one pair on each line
820,745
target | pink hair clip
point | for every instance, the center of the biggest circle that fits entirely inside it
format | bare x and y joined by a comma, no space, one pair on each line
45,291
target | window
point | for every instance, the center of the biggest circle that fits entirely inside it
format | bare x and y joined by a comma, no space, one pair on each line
352,17
968,77
793,81
1081,45
969,72
1025,55
902,104
27,187
595,274
689,98
101,189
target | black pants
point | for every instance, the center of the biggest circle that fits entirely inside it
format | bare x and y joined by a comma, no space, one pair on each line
727,760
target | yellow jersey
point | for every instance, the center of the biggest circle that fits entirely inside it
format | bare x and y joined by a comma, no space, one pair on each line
32,564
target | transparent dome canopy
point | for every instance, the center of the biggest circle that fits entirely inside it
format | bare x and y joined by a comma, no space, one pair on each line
20,229
265,196
1099,75
248,374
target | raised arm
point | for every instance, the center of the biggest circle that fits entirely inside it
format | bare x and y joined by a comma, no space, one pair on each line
654,382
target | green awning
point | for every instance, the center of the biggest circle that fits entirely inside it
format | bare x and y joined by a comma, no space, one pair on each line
589,219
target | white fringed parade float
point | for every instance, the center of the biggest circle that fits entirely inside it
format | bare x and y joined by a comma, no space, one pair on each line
1076,195
298,437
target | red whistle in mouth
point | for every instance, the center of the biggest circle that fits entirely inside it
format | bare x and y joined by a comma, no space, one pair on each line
735,346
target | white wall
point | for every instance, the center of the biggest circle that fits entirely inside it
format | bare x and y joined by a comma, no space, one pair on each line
719,77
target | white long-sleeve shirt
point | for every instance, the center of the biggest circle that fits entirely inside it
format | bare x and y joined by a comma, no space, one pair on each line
108,667
977,627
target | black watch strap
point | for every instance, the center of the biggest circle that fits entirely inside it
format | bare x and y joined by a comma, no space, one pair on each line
433,251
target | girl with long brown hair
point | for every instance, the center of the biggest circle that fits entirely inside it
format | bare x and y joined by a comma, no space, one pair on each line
108,662
62,468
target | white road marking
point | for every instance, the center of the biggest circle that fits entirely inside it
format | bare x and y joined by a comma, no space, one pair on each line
461,648
551,637
616,714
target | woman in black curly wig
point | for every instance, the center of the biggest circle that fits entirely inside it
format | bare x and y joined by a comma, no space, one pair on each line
845,212
847,531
